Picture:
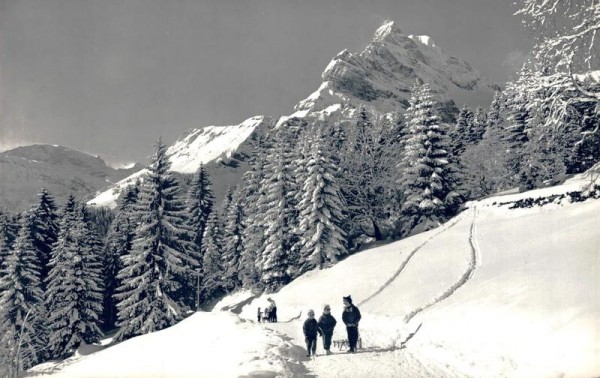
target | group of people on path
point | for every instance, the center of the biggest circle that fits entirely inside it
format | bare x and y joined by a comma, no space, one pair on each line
270,314
324,327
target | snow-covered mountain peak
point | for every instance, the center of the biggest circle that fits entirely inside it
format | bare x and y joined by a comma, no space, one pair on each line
388,30
381,76
196,147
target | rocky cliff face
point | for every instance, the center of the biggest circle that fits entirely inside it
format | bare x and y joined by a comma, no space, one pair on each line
381,76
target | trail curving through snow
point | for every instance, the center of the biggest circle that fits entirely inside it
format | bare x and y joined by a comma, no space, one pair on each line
408,258
463,279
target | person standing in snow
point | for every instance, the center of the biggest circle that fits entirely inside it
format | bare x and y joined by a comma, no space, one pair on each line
272,311
351,317
259,315
326,325
310,329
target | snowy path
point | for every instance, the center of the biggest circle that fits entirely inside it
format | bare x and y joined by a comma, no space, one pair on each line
369,362
465,277
408,258
395,361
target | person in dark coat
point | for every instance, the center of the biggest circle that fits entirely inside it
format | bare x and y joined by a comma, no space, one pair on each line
351,317
326,325
272,310
310,329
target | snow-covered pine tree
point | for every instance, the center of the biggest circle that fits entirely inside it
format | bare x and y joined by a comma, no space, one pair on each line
74,285
22,312
158,278
213,263
233,246
273,203
253,233
462,133
480,124
45,230
516,114
494,115
321,210
9,228
200,204
118,244
426,182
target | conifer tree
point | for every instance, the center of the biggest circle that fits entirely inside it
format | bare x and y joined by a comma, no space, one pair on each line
213,263
9,229
253,233
321,207
22,311
427,184
200,204
480,124
276,211
45,230
158,278
462,133
74,285
233,246
118,244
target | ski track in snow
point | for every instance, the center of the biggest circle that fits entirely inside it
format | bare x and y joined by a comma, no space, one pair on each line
463,279
399,361
407,260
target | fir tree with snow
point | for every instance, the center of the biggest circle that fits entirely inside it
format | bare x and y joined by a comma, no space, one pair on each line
233,245
277,219
158,279
118,244
429,197
253,234
22,311
46,229
9,228
74,286
321,211
462,132
200,203
213,261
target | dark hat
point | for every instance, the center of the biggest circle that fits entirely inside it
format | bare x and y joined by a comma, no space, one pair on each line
348,299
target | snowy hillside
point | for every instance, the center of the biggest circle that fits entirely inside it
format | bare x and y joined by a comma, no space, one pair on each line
496,292
25,170
199,146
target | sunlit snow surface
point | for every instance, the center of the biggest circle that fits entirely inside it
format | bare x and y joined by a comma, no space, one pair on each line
499,293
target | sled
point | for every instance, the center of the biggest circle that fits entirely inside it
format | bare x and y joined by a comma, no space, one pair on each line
343,344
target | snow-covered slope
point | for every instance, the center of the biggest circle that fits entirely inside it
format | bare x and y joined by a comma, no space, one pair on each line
25,170
198,146
497,292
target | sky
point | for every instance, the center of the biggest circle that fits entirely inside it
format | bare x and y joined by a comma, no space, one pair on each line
110,77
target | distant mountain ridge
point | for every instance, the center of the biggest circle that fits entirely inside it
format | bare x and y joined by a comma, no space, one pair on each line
61,170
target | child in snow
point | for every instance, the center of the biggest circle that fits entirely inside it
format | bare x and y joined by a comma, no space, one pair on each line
326,325
259,315
310,333
351,317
